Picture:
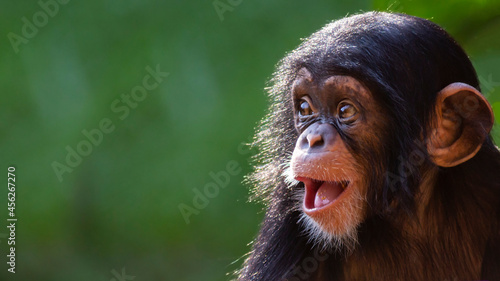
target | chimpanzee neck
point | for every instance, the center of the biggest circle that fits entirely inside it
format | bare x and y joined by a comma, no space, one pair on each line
446,240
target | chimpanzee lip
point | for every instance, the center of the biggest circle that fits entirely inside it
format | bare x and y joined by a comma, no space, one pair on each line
311,188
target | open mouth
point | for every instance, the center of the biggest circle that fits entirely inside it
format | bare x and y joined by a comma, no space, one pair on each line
320,194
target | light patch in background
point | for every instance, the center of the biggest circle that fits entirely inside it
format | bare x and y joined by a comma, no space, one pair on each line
123,7
195,104
496,128
57,83
496,110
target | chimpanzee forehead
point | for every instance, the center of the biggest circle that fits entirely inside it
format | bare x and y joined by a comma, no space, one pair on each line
344,84
325,88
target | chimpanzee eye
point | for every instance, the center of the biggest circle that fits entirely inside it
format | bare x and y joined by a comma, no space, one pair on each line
305,108
346,110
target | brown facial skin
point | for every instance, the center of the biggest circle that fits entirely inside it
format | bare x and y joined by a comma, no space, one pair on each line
321,153
462,121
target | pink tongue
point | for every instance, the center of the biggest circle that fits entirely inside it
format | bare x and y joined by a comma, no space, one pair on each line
327,192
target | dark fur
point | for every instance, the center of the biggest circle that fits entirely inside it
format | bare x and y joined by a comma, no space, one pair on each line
404,61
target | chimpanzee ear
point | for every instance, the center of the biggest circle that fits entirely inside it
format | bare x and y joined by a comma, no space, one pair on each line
463,119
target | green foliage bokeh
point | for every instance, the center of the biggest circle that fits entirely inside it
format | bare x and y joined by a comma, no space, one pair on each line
119,208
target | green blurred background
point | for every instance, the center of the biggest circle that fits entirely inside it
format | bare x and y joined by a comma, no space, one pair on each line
117,212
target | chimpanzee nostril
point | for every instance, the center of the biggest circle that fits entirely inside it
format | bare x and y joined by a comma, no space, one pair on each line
318,137
314,140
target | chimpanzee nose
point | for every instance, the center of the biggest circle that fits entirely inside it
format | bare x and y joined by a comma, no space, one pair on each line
317,137
314,140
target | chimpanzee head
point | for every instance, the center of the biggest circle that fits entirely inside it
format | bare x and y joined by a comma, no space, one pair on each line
363,112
